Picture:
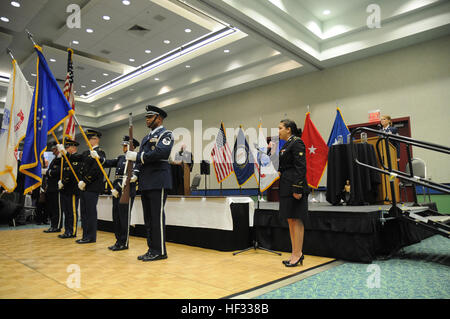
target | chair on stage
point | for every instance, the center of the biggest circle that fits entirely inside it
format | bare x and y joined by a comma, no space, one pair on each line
196,182
419,169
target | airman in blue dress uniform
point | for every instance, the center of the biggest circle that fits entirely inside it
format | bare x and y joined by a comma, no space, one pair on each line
121,218
68,187
91,185
154,180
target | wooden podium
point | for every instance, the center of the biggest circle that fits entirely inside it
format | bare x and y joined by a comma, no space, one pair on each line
185,187
384,190
186,179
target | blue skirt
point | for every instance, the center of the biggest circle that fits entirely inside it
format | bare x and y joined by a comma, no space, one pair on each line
294,208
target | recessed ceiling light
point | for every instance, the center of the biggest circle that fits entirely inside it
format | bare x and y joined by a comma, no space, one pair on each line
156,79
32,74
188,66
148,51
75,42
89,30
107,18
326,12
93,81
226,51
166,41
52,60
187,30
15,4
131,60
4,19
83,86
105,74
126,2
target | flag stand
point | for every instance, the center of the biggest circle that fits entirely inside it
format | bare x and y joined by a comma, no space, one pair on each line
255,238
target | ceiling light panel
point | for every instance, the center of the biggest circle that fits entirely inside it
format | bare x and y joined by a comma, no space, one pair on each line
83,73
19,17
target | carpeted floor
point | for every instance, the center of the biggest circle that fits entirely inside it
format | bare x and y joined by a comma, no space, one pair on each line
420,271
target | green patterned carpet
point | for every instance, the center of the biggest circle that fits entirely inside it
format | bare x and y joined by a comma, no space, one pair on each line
420,271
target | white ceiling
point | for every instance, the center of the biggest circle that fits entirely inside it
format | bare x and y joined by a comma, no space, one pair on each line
272,40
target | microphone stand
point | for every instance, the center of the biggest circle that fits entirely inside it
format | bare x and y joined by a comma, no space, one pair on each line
255,240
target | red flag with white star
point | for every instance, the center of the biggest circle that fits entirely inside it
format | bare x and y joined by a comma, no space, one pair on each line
316,152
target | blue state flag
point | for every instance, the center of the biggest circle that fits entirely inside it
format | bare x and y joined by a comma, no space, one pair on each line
49,109
339,129
243,161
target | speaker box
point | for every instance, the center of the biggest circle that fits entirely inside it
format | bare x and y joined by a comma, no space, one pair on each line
204,167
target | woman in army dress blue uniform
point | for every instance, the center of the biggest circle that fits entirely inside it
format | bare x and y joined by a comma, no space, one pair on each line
294,188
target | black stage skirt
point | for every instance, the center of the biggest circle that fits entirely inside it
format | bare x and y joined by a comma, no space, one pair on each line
294,208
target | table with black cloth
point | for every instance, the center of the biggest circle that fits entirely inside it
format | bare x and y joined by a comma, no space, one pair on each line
364,183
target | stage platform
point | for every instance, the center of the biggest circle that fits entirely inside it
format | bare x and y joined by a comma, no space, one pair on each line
353,233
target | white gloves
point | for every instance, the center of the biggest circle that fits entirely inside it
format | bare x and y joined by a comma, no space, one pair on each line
61,148
133,179
131,156
94,154
82,185
60,185
115,193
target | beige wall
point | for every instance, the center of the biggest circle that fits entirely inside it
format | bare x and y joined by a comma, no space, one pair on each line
414,82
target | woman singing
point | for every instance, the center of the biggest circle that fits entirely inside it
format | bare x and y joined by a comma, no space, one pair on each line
294,188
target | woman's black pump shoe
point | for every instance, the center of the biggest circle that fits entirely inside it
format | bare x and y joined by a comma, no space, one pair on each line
299,261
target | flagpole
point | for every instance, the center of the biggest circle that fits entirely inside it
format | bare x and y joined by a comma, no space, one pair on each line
30,36
90,148
67,160
10,54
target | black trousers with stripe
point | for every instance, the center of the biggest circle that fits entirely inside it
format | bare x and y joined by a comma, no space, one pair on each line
69,206
153,202
88,212
52,206
121,220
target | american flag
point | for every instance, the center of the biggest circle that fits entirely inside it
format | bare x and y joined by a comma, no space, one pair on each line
68,93
221,156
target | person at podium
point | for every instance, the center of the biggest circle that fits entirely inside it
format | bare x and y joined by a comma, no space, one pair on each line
184,156
294,188
386,127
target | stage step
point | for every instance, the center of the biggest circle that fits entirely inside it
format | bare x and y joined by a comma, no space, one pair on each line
437,223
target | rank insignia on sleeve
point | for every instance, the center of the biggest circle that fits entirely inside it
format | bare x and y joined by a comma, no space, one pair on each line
166,141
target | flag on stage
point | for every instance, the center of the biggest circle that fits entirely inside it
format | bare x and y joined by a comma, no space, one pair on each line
316,152
14,126
264,163
49,108
221,156
69,125
339,129
243,161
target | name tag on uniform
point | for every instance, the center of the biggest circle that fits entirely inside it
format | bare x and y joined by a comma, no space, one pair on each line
153,140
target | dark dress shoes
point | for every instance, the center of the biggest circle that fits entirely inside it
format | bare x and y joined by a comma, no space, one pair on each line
152,257
119,247
141,257
52,230
85,241
113,246
66,236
